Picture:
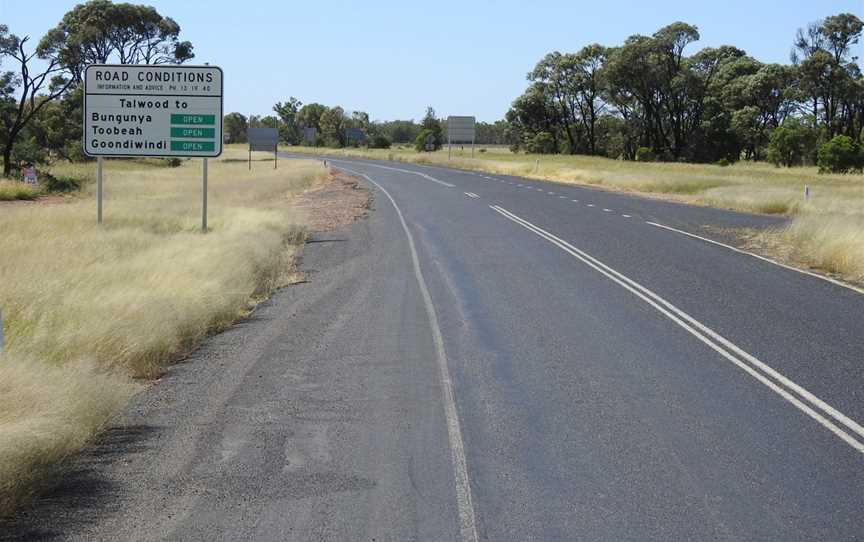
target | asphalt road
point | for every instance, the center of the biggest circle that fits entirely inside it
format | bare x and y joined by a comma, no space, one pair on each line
523,361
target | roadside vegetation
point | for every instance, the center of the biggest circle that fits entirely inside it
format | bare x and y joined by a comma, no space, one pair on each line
91,312
14,190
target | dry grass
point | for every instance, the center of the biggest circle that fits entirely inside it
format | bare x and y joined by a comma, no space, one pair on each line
833,244
823,230
88,309
14,190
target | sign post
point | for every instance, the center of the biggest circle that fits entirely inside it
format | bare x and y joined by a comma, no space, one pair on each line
460,130
204,202
152,110
99,190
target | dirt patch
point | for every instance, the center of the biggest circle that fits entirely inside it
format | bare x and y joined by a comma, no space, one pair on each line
335,203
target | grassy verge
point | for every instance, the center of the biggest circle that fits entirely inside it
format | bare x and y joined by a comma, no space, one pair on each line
13,190
822,233
831,244
89,311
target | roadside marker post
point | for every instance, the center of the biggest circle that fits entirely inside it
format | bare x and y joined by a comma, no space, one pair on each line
136,110
806,192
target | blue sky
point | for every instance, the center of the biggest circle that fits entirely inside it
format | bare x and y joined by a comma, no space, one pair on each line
392,59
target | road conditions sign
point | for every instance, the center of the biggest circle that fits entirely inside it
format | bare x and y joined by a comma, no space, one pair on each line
145,110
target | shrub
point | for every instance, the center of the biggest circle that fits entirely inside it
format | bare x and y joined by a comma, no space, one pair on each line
420,141
59,184
540,143
482,150
790,143
379,142
723,162
173,162
645,154
14,190
841,154
28,151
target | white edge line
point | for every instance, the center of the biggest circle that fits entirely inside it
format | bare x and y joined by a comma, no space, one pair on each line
635,288
467,520
763,258
418,173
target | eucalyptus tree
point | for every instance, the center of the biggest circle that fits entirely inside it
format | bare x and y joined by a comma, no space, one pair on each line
99,32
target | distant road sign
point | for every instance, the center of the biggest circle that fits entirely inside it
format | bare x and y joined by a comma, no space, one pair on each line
263,139
354,135
310,135
152,110
460,129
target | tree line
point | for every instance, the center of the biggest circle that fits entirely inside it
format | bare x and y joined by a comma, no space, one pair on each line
41,95
292,117
648,99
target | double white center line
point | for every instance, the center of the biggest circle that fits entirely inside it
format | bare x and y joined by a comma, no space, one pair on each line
835,421
471,195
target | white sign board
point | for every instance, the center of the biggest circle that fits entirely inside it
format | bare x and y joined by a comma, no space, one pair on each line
460,129
147,110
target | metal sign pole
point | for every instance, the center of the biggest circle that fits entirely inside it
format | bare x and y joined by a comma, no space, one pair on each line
99,190
448,143
204,206
472,147
275,156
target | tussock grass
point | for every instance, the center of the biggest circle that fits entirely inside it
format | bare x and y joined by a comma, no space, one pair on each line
88,310
831,215
13,190
46,413
834,244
